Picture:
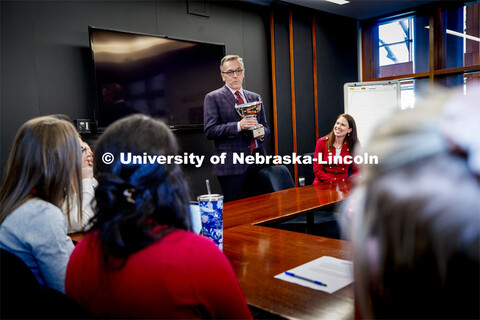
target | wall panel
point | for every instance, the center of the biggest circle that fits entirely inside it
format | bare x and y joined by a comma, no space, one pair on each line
304,98
336,63
46,65
284,105
336,60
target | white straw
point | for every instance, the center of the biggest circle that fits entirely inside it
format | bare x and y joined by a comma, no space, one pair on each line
208,186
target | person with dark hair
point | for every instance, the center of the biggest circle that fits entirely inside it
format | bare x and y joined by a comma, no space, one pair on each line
224,125
143,260
42,174
416,214
339,143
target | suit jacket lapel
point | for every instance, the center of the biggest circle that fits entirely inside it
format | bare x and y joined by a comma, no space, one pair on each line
249,96
230,106
228,95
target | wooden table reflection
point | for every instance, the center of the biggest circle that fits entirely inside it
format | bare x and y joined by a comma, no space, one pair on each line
258,252
285,204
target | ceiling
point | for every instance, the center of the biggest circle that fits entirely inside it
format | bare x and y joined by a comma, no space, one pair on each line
357,9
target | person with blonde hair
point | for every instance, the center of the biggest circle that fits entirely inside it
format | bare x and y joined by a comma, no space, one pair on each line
416,214
42,175
88,192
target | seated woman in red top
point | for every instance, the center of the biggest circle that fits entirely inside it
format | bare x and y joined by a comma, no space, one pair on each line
338,143
140,259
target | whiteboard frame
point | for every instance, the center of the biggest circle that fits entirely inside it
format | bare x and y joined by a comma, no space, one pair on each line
366,84
348,85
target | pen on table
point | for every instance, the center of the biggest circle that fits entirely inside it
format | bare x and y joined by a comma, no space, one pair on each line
306,279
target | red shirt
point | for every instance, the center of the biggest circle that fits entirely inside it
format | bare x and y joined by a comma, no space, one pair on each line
181,275
327,171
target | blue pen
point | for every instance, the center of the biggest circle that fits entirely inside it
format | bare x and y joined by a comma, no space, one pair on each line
306,279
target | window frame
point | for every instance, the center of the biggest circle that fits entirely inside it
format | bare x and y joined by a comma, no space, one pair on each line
436,72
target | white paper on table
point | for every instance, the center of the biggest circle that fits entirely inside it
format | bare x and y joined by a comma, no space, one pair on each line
335,273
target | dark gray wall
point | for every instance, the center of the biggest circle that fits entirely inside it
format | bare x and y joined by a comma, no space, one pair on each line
336,64
336,43
46,64
46,67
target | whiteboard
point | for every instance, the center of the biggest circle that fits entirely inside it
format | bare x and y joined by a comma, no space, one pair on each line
369,103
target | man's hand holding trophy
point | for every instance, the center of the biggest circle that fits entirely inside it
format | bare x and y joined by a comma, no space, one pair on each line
249,123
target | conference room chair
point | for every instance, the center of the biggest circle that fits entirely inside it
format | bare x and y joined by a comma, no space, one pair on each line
322,223
274,178
22,297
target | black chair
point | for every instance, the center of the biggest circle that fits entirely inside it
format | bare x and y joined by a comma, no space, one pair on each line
305,172
274,178
22,297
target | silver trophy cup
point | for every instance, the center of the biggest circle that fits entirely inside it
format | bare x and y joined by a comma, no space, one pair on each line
251,109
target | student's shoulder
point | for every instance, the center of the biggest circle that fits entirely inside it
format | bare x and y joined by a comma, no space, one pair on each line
192,238
37,216
322,142
38,206
197,243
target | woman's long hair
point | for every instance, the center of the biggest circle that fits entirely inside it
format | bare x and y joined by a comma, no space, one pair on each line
352,137
136,199
45,162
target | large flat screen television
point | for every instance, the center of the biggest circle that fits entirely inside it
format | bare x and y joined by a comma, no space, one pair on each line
155,75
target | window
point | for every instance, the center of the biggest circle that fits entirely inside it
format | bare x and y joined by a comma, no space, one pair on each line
461,36
408,88
468,80
395,47
399,47
395,42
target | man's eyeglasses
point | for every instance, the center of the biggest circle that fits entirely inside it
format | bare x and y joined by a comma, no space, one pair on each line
231,72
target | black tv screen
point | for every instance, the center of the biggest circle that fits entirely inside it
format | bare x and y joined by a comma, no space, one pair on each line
155,75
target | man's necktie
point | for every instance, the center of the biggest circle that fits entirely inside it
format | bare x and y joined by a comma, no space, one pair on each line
240,100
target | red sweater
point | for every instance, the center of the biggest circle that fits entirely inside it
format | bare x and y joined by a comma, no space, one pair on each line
328,171
181,275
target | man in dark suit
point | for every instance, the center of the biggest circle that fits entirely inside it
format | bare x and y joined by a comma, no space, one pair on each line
224,125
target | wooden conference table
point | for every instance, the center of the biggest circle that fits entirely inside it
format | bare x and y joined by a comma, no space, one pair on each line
258,253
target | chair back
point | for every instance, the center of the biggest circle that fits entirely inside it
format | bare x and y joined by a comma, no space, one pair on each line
274,178
24,298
